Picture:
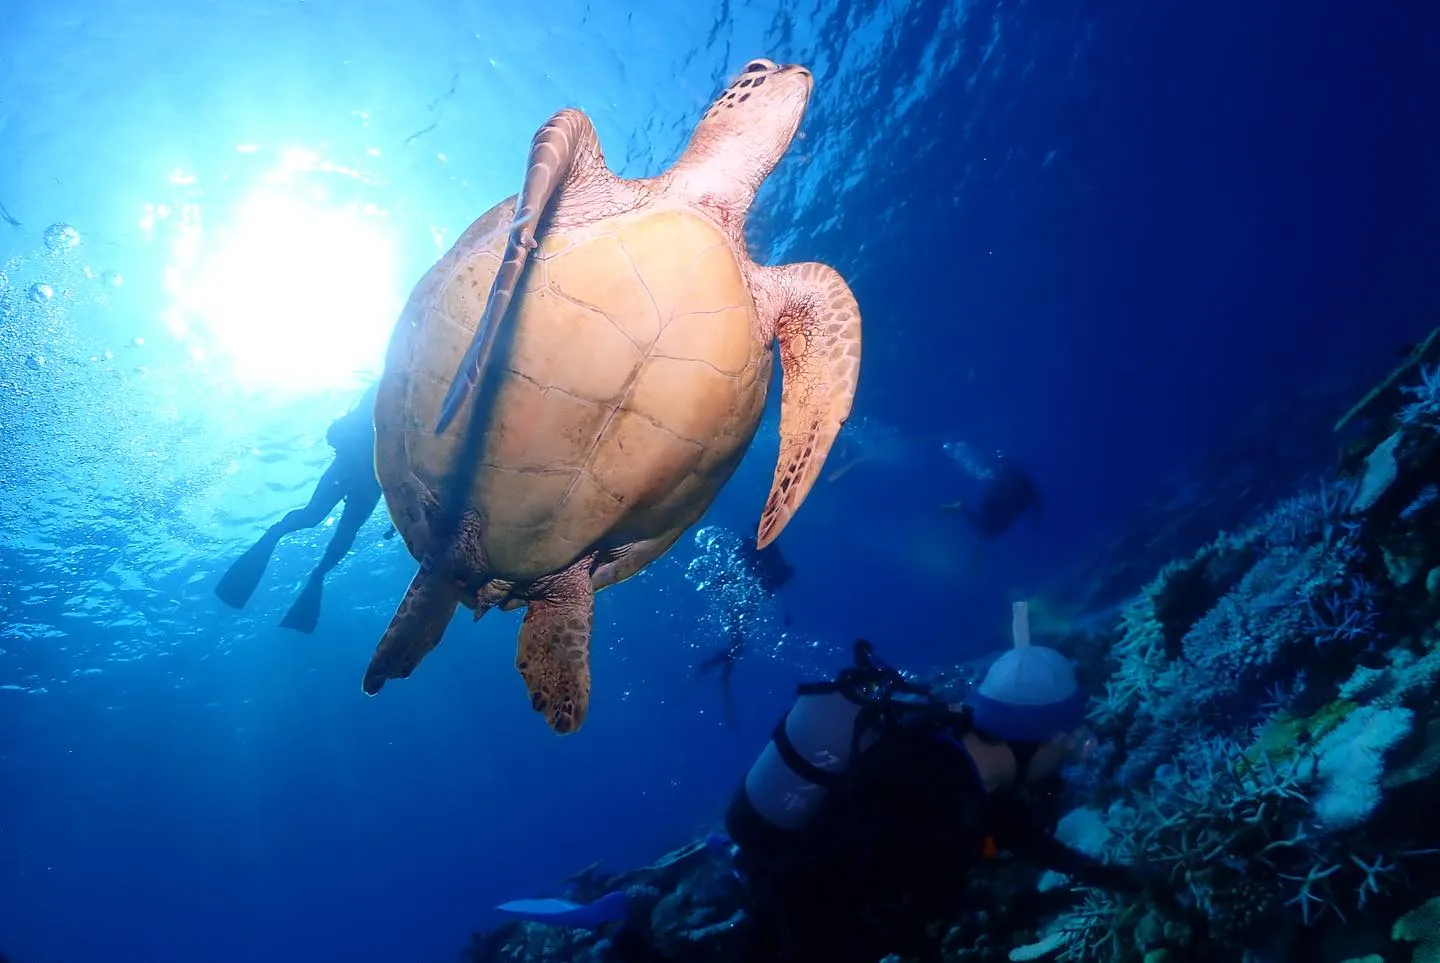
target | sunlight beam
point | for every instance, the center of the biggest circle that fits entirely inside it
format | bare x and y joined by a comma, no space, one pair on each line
295,293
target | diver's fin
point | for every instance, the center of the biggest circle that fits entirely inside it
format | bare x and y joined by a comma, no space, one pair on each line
554,652
610,908
950,508
818,324
305,613
565,136
416,628
240,579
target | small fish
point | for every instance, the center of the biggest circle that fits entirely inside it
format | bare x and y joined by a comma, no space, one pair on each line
8,218
421,133
454,86
435,106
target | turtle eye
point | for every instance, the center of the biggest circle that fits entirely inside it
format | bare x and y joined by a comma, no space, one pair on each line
755,66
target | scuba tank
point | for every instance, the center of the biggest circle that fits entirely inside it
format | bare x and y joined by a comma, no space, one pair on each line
811,749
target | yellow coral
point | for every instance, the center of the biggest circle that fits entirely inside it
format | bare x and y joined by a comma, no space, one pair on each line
1282,736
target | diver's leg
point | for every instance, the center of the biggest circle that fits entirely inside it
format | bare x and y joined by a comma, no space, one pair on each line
796,908
240,580
304,615
359,506
328,492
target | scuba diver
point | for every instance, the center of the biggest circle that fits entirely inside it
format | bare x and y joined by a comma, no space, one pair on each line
722,663
767,566
911,793
1010,493
766,569
854,829
351,478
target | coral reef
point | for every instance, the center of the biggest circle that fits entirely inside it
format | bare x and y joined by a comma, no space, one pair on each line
1274,738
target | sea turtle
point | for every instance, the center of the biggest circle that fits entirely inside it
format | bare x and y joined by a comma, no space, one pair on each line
628,384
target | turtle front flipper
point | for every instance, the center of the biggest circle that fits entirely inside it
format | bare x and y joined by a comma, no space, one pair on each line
818,324
566,138
416,628
554,653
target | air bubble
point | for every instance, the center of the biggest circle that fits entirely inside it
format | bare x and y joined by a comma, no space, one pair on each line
111,279
60,237
41,292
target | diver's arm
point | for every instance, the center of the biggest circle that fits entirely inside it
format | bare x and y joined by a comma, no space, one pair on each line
1016,830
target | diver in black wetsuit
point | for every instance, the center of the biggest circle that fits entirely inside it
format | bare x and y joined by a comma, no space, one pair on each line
866,852
351,477
771,572
767,565
870,854
1011,492
722,663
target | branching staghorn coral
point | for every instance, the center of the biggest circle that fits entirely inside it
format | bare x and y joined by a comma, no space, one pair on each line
1225,827
1094,932
1247,831
1424,411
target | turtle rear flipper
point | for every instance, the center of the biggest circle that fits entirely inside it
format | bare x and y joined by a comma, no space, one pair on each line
415,629
554,653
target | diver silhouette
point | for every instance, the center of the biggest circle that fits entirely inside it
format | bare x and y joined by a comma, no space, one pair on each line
766,568
1010,493
766,565
723,663
351,478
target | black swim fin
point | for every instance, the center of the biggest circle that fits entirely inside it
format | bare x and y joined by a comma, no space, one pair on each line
304,615
240,579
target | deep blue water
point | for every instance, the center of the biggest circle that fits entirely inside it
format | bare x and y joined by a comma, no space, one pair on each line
1094,235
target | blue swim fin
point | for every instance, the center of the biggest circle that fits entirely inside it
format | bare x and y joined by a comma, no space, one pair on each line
610,908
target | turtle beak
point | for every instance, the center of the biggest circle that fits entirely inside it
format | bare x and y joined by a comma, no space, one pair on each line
798,69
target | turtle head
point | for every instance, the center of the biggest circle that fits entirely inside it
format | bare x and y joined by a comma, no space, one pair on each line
748,128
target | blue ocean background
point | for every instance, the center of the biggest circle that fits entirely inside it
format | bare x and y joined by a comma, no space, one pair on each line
1134,244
